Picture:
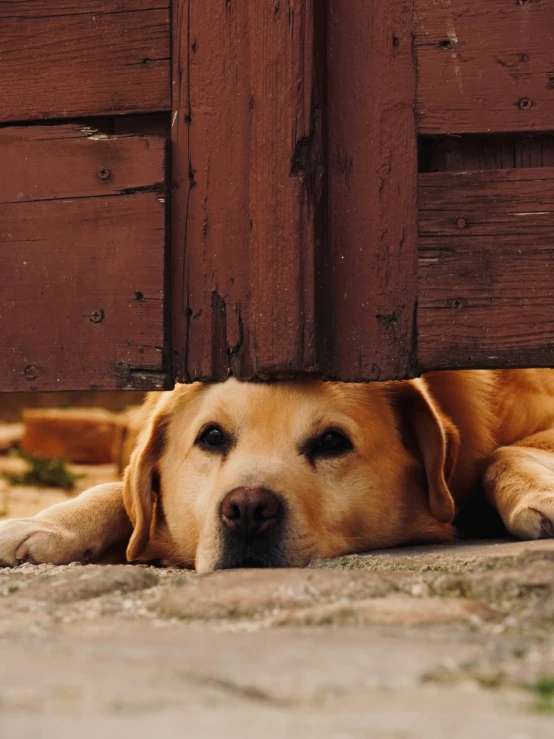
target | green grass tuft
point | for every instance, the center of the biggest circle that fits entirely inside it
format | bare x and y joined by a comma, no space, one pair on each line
543,691
44,473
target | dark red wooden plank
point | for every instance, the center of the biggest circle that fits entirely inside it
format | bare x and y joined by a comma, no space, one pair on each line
244,189
486,269
283,187
81,261
372,188
49,8
62,60
487,191
82,292
485,66
44,162
210,219
495,222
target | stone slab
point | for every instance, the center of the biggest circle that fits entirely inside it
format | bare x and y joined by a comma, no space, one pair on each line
421,642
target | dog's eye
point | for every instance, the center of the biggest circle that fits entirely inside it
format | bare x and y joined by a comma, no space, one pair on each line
212,438
331,443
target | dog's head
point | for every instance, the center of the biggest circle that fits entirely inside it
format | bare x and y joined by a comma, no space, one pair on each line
267,475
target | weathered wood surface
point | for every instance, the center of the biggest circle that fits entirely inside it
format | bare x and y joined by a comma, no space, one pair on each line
485,66
54,8
45,162
245,188
486,269
372,189
81,261
487,192
62,58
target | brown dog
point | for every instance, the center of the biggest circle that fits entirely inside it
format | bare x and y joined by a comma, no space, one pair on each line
269,475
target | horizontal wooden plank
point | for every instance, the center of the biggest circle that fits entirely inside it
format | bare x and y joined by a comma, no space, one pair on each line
487,223
486,302
82,229
485,66
486,269
60,61
512,190
81,292
71,161
48,8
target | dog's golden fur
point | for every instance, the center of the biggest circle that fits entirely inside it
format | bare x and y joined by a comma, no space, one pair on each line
418,453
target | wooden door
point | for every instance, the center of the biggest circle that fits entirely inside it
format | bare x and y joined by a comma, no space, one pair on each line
354,189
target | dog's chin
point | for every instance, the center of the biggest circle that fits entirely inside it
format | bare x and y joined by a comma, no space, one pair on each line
250,563
251,556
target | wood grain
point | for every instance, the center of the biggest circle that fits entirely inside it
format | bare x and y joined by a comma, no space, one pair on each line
210,216
60,60
81,262
244,171
485,66
75,161
487,191
284,186
53,8
372,189
486,269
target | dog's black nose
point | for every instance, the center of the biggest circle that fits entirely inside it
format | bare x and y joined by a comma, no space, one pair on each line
249,512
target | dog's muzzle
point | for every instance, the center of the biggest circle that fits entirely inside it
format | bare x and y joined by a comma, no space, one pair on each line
252,527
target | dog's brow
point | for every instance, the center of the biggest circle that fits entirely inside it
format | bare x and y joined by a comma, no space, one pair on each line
319,425
214,414
339,422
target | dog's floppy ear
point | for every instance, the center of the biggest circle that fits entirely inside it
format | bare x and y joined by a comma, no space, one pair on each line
142,482
433,438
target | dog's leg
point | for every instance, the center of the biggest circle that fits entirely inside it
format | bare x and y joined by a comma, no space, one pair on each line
520,484
79,530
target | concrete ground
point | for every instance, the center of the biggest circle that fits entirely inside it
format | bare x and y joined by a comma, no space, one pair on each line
453,641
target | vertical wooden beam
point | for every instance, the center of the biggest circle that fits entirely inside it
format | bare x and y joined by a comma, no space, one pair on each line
246,187
210,209
282,187
372,188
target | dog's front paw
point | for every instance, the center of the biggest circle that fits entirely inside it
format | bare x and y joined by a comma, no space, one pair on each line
28,540
534,518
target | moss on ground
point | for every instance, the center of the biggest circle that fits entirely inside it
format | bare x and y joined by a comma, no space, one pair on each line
542,691
41,472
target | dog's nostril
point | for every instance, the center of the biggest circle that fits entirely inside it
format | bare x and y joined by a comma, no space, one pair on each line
234,512
249,511
258,513
267,509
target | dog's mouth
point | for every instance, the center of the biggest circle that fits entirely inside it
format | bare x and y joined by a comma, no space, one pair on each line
251,556
250,563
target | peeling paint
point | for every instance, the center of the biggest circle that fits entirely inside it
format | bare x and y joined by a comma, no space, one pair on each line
454,41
